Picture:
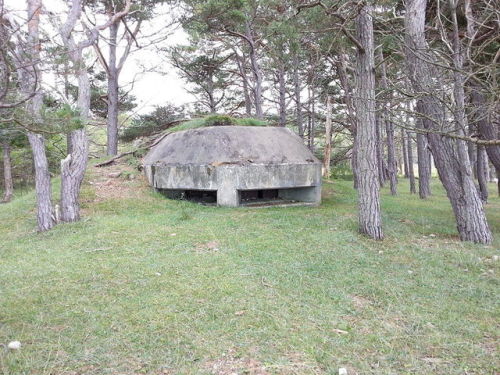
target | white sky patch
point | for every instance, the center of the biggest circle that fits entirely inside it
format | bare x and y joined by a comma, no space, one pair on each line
150,88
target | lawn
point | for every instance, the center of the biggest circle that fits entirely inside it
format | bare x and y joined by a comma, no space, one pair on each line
146,285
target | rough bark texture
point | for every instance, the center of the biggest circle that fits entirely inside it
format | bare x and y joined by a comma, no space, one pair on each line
328,138
370,222
424,166
240,61
7,173
450,155
30,76
74,165
256,70
43,188
482,172
282,96
379,150
112,73
411,170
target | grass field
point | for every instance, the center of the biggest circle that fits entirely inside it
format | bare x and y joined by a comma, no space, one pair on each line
145,285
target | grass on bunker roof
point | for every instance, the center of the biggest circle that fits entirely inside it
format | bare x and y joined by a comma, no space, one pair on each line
146,285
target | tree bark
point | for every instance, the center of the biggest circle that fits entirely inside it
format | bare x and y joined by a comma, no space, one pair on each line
240,61
257,72
411,170
389,130
328,138
31,76
405,155
482,172
424,164
379,150
450,155
298,102
370,222
282,96
7,173
112,116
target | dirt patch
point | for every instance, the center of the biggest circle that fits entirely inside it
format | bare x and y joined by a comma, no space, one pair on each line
360,302
231,364
116,181
208,247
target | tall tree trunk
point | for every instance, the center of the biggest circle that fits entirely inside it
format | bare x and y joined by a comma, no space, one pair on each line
328,138
296,92
312,129
7,173
240,61
31,78
389,129
450,155
257,72
74,165
379,150
341,66
482,172
405,155
370,222
411,169
486,120
112,118
282,96
424,164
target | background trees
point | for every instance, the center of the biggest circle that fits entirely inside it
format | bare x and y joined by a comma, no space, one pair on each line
423,90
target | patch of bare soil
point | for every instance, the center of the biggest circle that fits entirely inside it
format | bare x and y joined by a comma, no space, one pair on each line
208,247
230,364
116,181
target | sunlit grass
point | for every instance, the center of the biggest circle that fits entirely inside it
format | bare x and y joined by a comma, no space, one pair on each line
153,286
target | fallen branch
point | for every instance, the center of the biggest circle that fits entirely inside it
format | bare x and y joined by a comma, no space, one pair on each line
142,145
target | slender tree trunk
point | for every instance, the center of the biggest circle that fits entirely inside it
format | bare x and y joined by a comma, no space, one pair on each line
424,163
7,173
389,129
405,155
379,151
312,129
328,138
30,82
257,72
450,155
482,173
282,96
240,61
112,119
296,91
370,222
351,113
411,169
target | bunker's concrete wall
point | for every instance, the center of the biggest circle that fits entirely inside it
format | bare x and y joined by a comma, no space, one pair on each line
230,159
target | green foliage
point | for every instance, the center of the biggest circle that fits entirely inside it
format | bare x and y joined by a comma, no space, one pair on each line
159,119
219,120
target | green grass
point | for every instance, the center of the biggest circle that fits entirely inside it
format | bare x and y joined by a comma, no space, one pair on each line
153,286
206,121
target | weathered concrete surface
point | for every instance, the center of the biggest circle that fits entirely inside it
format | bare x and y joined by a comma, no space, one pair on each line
230,159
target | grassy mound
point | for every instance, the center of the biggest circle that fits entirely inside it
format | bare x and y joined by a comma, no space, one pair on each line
146,285
217,120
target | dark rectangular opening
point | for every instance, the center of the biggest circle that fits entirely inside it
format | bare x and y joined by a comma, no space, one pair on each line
258,196
198,196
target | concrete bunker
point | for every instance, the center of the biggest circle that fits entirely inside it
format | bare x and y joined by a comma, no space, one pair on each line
234,166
